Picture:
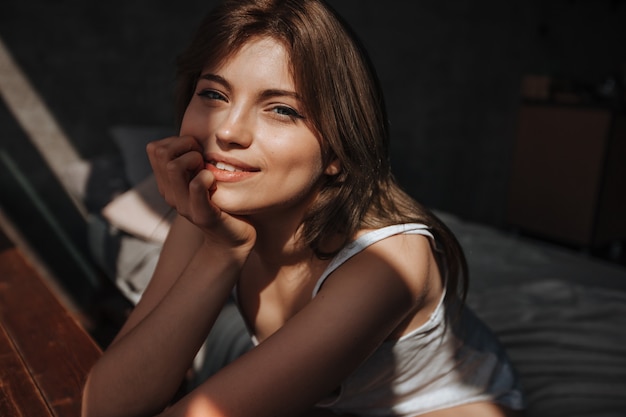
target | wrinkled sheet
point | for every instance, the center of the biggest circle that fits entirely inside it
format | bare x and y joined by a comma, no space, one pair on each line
560,314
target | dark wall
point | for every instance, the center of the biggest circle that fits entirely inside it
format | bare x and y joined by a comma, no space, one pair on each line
451,74
451,71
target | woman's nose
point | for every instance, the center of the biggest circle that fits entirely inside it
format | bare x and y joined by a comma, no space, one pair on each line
235,130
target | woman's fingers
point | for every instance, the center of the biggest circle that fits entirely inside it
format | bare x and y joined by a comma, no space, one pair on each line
202,211
172,147
161,152
179,169
170,170
178,165
223,227
181,172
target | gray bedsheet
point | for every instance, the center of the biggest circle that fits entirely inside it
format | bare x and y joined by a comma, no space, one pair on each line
560,314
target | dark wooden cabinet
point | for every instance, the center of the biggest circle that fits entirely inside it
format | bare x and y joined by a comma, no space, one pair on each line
568,179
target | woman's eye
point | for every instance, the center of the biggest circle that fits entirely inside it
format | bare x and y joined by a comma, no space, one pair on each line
211,95
287,111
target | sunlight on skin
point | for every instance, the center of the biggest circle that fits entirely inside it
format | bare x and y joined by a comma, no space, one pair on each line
201,406
474,410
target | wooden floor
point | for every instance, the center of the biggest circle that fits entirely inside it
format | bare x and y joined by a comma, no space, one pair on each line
45,354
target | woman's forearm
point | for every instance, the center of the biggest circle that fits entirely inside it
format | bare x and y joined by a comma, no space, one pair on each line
140,373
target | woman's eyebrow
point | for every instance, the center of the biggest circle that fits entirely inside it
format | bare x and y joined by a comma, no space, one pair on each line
265,94
216,78
276,92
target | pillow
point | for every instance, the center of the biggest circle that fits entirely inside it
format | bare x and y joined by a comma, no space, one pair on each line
141,211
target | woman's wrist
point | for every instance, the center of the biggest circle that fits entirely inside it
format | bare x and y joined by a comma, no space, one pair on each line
234,246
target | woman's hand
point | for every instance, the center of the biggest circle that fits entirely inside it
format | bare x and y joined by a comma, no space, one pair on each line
186,185
175,161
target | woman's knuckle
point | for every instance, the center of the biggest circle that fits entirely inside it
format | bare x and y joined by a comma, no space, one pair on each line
161,152
172,166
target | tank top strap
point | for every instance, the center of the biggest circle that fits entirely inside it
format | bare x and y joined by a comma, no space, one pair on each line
366,240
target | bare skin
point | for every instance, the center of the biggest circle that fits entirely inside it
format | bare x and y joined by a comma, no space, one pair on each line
238,228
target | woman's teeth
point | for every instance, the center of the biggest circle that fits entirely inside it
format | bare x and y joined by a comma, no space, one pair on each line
226,167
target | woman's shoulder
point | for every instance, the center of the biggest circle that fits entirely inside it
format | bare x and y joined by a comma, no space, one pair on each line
408,257
396,239
398,271
407,251
403,250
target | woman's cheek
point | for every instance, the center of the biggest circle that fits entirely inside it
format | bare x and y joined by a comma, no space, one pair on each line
186,125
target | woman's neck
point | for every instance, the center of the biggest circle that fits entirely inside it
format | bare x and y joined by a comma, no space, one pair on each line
278,244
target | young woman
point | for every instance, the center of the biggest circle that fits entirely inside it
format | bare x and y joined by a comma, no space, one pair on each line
351,290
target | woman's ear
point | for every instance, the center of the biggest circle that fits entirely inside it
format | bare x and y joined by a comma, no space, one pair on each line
333,168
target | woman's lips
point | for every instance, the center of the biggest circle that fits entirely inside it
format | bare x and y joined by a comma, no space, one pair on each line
227,172
227,167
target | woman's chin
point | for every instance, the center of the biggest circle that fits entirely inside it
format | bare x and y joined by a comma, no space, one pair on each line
229,205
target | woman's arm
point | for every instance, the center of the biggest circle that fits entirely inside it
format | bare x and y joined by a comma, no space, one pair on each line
356,310
141,371
199,265
176,163
182,242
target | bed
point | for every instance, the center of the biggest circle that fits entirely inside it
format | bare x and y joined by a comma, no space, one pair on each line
561,315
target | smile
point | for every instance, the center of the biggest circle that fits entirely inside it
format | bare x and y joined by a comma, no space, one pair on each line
226,167
225,172
230,167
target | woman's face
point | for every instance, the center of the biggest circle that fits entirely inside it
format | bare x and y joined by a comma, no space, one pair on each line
247,115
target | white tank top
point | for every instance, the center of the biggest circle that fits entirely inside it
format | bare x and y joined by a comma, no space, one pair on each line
438,365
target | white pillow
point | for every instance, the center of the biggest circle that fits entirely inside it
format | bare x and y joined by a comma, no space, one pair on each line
141,211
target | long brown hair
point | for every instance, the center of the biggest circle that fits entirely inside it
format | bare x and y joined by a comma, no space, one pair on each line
343,102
